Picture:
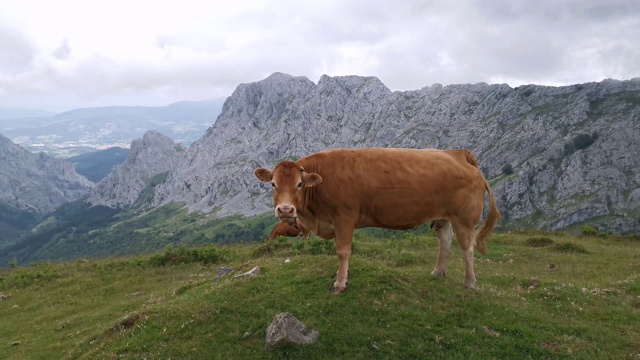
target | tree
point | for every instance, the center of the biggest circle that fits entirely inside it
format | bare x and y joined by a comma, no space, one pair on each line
507,169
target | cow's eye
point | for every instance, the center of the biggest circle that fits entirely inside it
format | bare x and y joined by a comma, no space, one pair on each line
299,185
273,185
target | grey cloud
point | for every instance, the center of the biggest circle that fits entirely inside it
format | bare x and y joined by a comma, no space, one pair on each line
544,41
408,45
16,50
63,51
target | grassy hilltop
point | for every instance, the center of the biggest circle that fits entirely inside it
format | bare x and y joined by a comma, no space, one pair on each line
542,295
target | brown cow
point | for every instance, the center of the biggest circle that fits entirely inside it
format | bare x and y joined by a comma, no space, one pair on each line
336,191
284,229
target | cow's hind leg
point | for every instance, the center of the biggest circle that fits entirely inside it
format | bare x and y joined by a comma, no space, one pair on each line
466,240
344,238
444,231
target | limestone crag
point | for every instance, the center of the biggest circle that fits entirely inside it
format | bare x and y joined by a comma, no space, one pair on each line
151,156
37,182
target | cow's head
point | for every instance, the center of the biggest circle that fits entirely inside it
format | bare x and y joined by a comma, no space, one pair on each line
288,181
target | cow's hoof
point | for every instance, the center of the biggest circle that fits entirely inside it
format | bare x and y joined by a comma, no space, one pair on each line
470,286
437,273
337,291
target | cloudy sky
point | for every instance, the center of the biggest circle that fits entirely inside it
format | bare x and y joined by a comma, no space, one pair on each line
60,55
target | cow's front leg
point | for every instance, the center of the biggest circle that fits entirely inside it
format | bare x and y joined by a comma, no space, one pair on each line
344,238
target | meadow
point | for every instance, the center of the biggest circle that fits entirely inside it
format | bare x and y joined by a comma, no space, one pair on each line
540,295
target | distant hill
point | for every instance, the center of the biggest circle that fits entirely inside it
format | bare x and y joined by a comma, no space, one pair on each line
84,130
98,164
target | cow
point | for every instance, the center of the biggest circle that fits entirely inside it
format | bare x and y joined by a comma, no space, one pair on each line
333,192
284,229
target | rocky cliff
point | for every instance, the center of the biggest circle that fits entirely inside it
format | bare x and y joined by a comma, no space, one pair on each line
147,164
37,182
556,156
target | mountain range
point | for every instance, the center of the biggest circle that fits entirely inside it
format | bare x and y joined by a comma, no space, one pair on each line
556,157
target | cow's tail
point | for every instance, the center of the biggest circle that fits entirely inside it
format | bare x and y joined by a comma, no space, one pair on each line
494,215
489,222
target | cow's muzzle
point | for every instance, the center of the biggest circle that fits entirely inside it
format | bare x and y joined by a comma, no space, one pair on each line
286,213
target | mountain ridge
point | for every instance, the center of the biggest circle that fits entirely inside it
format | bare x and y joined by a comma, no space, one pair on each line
530,128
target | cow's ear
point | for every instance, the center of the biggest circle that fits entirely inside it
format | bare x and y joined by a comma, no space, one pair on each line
263,175
312,179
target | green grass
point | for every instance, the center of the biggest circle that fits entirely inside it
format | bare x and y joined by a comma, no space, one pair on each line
532,302
101,232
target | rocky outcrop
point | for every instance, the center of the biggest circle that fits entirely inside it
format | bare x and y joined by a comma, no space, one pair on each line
286,329
37,182
526,140
147,164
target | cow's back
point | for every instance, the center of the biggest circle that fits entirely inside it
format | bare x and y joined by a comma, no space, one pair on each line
392,188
